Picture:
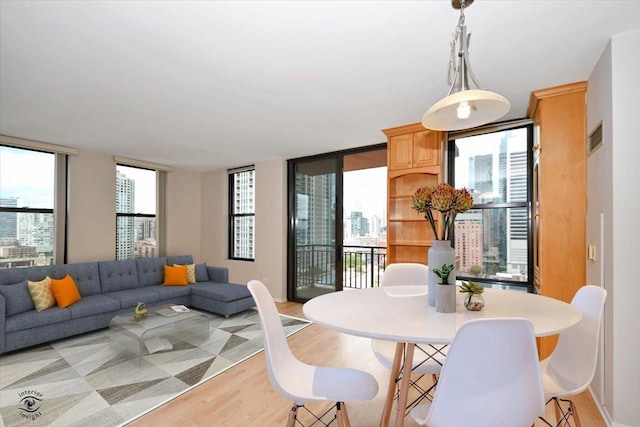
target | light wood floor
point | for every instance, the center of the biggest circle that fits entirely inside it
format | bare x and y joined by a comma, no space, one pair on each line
243,396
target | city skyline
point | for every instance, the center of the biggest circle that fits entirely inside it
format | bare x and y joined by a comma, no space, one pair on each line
365,191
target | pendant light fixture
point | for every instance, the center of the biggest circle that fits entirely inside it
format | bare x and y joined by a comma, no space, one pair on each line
463,108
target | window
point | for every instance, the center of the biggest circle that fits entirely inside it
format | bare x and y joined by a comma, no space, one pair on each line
27,201
136,222
242,213
492,240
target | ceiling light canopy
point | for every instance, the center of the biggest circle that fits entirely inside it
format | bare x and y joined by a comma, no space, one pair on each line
463,108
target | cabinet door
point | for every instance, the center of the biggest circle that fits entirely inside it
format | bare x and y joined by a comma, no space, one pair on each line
426,148
400,152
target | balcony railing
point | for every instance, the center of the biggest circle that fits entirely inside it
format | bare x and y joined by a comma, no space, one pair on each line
362,266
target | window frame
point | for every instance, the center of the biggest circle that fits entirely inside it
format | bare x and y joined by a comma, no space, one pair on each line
135,215
58,211
451,150
232,215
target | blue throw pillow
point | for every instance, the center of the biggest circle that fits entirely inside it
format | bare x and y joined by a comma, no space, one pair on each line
201,273
17,298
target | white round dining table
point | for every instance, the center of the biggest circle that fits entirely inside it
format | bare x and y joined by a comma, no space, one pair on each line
401,314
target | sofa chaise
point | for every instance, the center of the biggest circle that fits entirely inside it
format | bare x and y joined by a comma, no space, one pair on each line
107,288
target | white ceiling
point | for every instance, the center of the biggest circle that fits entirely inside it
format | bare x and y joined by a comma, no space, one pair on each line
206,85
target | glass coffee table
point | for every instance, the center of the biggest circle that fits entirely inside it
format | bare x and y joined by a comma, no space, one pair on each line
155,332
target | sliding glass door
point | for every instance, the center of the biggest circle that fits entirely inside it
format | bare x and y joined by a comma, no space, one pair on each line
315,238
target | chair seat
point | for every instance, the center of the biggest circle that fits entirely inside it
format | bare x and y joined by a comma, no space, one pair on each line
299,381
312,383
556,385
426,359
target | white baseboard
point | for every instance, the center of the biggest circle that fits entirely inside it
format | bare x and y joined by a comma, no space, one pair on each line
603,411
605,414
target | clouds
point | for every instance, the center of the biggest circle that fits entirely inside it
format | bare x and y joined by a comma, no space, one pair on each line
29,175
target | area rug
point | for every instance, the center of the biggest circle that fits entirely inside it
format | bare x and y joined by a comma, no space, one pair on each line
90,380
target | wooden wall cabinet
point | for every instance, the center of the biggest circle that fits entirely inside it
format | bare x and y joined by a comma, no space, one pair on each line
414,159
559,193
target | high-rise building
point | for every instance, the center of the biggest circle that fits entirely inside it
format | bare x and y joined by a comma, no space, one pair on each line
244,202
498,177
37,230
9,220
316,209
125,203
469,232
359,224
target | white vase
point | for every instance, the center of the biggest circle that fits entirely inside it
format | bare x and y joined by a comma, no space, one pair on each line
445,298
440,253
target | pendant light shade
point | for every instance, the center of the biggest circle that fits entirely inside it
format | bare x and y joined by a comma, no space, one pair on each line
464,108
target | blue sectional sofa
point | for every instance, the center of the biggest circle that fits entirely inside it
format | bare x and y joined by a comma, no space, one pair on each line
107,289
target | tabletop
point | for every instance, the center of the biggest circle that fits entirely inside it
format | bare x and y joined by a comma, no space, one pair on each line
401,313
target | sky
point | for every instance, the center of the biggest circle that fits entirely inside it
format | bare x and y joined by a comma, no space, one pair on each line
29,175
33,185
145,189
365,191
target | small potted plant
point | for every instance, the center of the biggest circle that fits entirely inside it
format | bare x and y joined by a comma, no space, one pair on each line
445,293
474,301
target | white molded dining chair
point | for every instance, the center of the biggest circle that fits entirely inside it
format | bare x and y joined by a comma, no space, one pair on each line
491,377
427,358
570,368
298,381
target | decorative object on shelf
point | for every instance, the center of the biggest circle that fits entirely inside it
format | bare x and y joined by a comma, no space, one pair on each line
463,108
445,293
449,202
474,301
140,311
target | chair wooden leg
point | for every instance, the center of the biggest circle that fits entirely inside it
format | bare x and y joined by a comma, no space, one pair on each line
341,415
574,413
291,421
558,410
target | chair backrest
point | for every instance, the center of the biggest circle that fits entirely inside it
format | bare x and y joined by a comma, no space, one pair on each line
491,377
405,273
281,363
573,362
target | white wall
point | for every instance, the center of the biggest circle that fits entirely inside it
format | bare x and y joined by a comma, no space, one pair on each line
612,177
269,265
626,247
91,213
184,213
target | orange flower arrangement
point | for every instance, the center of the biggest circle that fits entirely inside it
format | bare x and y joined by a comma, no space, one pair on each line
446,200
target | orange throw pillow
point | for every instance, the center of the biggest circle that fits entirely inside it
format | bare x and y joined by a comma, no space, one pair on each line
175,276
65,291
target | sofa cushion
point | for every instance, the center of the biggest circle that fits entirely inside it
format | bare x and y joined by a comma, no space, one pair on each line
34,319
94,304
11,276
17,298
191,272
170,292
151,270
85,275
201,273
41,294
175,276
65,291
225,292
118,275
179,259
131,297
